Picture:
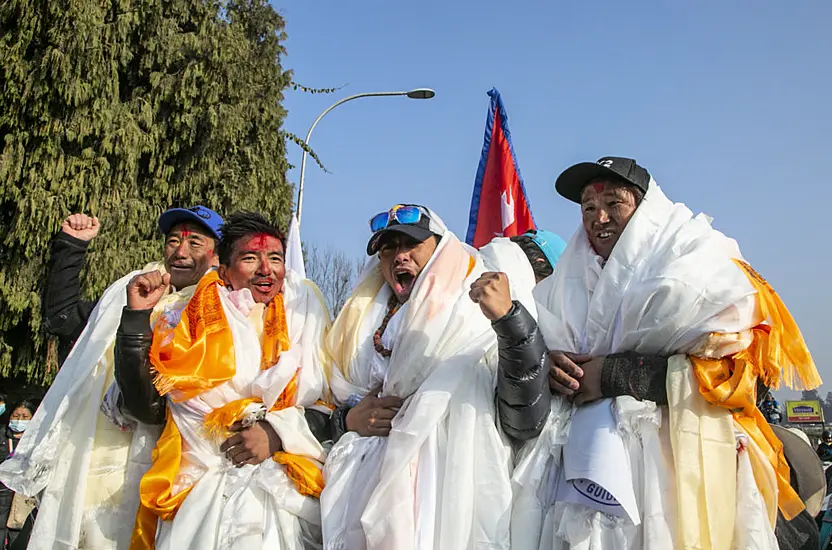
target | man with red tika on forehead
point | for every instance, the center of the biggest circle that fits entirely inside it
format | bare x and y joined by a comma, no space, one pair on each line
663,341
235,373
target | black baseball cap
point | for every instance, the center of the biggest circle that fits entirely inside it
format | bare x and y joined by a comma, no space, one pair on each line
573,180
420,230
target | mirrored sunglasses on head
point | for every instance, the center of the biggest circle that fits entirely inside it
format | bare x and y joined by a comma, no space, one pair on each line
405,215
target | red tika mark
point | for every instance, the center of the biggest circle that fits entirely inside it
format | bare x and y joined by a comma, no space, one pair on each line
186,233
262,242
599,187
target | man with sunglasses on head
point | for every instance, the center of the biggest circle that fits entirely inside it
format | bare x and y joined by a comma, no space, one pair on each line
418,461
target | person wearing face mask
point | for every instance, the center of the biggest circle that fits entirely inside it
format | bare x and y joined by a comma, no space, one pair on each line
418,460
82,454
235,372
16,535
663,341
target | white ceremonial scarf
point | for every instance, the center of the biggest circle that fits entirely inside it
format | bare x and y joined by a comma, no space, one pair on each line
503,255
255,506
669,281
441,478
56,455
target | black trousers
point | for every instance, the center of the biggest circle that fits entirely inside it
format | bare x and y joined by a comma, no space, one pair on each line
19,540
6,496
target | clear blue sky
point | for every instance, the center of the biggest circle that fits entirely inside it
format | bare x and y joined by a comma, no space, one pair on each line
727,104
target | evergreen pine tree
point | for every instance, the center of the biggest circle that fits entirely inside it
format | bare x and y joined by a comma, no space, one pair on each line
122,109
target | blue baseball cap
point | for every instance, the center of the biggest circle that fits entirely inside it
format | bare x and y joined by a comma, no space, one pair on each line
549,243
205,217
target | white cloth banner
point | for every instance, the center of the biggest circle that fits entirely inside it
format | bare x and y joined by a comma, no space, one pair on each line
501,254
596,466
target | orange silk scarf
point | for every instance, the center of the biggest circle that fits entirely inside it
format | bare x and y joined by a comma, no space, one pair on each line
777,353
193,356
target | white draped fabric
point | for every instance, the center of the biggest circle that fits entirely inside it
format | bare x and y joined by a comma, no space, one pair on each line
669,281
441,478
294,249
84,469
501,254
255,506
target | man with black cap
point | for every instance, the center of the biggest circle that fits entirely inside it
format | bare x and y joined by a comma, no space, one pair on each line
418,461
83,455
663,340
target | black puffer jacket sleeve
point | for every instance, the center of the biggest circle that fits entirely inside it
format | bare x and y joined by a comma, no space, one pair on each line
522,380
132,367
64,312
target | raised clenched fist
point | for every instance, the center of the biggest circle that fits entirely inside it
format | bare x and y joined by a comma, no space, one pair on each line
491,292
81,226
146,289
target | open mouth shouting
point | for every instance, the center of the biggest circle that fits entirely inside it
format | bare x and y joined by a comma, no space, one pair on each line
404,282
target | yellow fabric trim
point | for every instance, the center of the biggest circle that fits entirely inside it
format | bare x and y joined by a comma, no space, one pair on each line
785,355
731,383
198,353
765,478
305,473
705,460
218,422
156,497
342,341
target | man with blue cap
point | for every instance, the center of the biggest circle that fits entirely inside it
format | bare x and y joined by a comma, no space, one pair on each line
83,455
65,314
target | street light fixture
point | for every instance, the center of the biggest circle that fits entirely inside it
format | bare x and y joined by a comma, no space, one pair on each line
421,93
417,93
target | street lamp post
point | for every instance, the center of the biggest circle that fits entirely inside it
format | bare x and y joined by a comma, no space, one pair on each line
418,93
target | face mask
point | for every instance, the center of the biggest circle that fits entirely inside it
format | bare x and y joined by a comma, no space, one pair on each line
2,408
17,426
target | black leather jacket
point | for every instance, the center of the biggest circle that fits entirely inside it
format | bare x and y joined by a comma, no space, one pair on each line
522,377
133,375
132,367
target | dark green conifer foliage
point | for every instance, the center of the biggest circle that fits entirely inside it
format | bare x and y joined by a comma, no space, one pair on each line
122,109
